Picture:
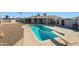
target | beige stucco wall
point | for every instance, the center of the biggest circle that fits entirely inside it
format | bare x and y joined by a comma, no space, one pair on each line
7,21
13,21
60,22
69,23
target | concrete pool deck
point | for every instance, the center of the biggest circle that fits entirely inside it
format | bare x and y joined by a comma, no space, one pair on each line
70,35
31,40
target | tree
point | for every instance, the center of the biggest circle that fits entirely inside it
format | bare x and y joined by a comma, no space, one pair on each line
6,16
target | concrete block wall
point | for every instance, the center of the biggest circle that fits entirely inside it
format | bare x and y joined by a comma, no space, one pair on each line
7,21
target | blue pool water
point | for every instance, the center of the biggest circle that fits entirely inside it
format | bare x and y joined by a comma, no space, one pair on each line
42,32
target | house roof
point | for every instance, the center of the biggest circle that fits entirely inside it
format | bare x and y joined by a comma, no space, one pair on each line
53,17
67,18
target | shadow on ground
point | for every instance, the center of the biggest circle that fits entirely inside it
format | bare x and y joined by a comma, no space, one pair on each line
57,43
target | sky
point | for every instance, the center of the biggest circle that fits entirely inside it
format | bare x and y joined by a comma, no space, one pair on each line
28,14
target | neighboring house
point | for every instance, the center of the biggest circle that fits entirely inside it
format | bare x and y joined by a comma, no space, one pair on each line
76,22
69,22
65,22
7,20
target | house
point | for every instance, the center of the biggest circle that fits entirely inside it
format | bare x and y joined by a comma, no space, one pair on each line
44,19
69,22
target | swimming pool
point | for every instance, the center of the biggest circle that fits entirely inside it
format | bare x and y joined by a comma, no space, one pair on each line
42,32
